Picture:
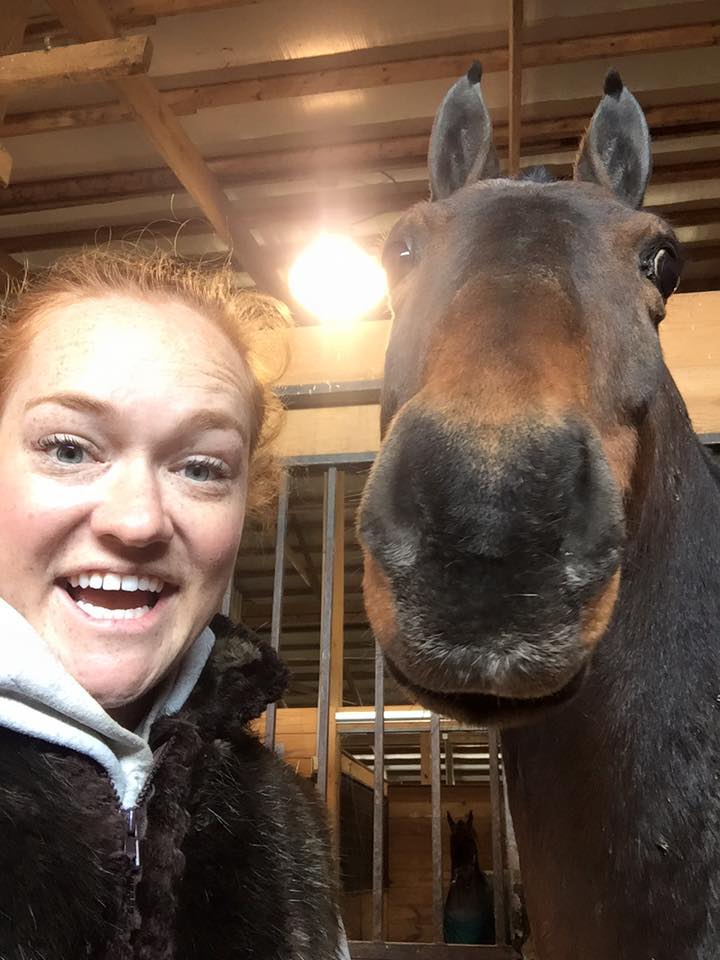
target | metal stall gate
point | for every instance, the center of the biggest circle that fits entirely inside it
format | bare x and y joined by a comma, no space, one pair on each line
331,717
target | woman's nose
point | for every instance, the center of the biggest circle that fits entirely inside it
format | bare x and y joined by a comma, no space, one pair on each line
132,508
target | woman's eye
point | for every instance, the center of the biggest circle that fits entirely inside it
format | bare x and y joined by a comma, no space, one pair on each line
63,449
664,271
206,469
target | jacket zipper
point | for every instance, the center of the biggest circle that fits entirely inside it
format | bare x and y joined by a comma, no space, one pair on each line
135,821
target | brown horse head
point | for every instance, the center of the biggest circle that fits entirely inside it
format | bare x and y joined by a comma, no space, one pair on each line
523,357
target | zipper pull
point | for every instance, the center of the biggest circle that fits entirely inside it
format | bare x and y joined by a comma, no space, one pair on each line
132,839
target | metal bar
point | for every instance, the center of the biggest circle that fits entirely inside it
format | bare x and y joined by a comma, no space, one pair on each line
378,797
496,800
337,655
331,459
326,629
437,886
514,83
277,600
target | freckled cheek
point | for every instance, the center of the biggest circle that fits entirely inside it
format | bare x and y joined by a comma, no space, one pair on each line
217,540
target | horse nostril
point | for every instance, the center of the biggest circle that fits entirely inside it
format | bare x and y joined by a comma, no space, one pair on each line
510,498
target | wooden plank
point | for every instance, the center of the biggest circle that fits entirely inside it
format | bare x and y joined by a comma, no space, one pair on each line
359,772
498,852
331,430
516,16
93,62
449,762
128,13
425,760
690,337
360,950
400,67
89,21
323,353
5,166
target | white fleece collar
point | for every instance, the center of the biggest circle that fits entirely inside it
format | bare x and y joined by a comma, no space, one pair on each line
40,699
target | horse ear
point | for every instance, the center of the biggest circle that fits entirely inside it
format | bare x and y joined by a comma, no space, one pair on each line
470,818
450,820
615,151
461,148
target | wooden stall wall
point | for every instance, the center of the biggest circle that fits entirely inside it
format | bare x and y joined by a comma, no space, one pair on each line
409,896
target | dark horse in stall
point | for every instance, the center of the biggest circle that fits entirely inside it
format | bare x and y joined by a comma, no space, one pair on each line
542,527
468,914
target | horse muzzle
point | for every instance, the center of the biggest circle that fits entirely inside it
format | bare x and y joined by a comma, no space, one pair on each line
492,554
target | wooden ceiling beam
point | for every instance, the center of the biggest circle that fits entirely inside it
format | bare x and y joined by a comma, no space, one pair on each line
10,268
88,20
12,25
97,61
318,75
515,51
297,164
132,13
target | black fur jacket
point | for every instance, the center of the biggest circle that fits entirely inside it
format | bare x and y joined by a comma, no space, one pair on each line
233,849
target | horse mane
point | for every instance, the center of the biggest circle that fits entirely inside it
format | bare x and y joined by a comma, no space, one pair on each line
538,174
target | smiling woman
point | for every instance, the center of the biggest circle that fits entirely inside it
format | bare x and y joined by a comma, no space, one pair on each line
136,422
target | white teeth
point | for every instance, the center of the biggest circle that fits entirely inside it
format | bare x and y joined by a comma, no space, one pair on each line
114,581
102,613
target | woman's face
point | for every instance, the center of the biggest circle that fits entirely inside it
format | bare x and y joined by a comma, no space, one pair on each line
124,457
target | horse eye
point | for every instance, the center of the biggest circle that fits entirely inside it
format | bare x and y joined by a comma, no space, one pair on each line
397,259
665,271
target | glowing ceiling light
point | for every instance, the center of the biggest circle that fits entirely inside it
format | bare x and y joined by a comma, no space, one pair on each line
336,280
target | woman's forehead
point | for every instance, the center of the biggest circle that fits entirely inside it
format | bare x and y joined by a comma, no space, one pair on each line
123,336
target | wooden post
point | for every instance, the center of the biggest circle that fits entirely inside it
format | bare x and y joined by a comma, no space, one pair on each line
514,84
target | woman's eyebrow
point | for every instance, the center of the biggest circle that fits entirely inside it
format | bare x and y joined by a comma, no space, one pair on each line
200,420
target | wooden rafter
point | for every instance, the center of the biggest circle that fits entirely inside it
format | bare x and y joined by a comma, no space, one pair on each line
133,13
401,65
380,154
9,267
76,63
516,16
299,209
12,25
88,21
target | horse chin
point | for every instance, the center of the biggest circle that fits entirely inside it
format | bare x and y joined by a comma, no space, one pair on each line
482,709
